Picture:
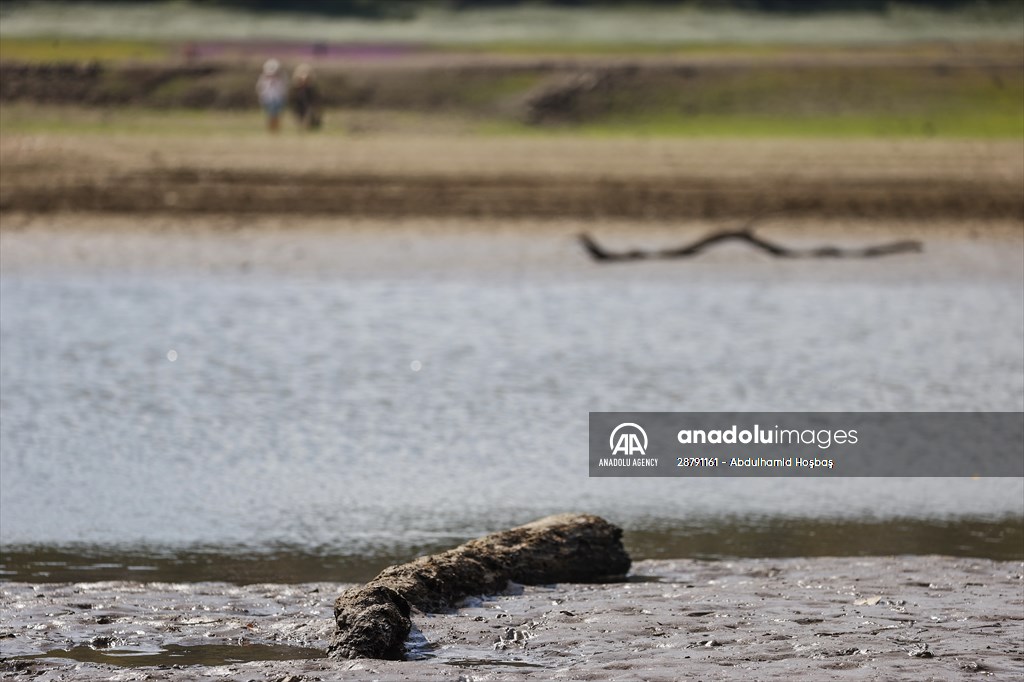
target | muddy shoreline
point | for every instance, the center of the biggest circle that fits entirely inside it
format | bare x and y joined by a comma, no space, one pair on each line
896,618
453,176
188,191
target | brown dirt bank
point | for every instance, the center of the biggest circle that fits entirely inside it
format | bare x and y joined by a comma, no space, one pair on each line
190,191
867,618
400,176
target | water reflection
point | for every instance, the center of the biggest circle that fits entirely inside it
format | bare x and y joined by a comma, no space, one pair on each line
713,539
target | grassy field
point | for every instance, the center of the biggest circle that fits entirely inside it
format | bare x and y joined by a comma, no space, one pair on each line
675,72
32,119
433,24
59,47
62,49
972,91
807,101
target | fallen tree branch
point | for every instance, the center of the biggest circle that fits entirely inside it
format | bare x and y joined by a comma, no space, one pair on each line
599,253
373,621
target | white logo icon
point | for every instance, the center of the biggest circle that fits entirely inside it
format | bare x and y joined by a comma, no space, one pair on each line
628,442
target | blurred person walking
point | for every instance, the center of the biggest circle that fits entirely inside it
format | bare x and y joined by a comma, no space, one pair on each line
304,98
272,91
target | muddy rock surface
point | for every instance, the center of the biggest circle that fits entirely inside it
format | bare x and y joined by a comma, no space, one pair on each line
866,618
374,620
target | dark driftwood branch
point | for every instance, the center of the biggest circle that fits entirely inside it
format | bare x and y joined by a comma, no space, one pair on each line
599,253
373,620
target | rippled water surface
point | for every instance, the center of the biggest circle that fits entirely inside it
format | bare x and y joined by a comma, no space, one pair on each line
371,416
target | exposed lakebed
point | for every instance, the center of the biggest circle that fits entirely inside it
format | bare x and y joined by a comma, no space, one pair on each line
903,618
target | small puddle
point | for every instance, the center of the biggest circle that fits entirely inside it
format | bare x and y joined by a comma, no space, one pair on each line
174,654
417,648
480,662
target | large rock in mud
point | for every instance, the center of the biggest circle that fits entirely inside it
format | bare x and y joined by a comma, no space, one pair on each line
374,620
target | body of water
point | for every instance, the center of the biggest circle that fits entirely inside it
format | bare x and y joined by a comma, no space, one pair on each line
348,421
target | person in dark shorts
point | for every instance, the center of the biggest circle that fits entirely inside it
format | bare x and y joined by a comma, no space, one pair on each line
304,98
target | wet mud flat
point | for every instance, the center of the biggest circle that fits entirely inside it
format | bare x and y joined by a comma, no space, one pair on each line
895,618
394,177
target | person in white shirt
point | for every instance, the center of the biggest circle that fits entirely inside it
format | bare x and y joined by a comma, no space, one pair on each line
272,91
